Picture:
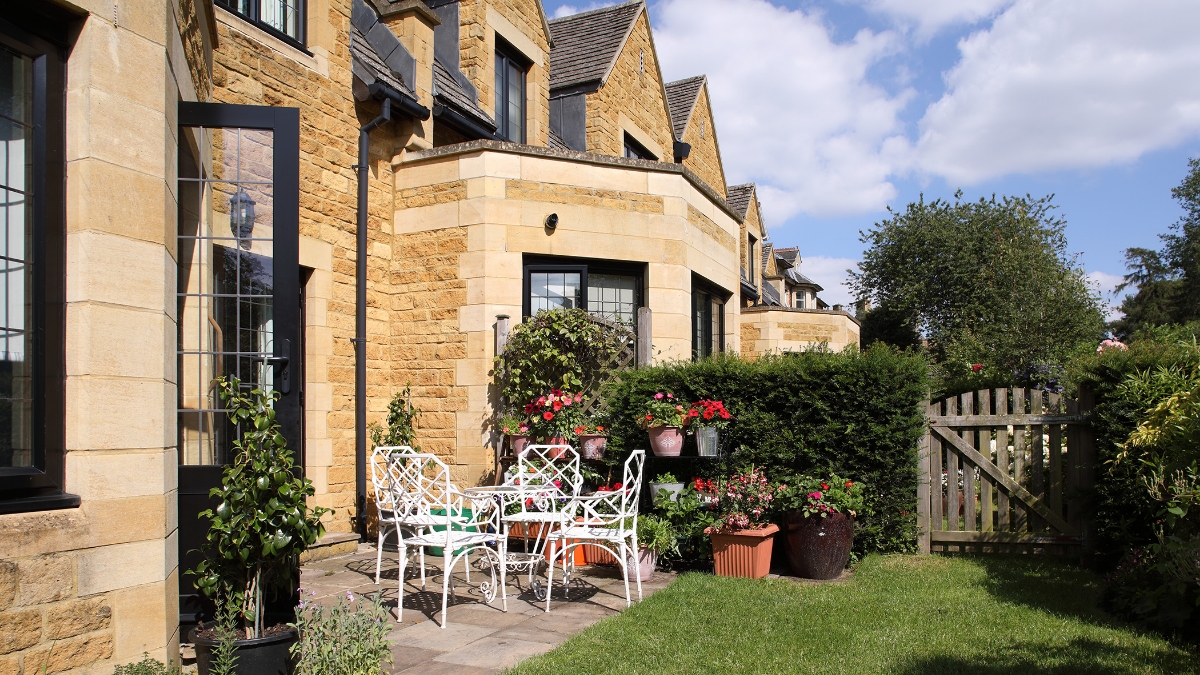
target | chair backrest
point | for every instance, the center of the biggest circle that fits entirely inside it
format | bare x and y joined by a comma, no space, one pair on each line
545,464
617,507
380,466
422,491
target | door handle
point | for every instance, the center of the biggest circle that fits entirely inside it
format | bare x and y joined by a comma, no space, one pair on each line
281,366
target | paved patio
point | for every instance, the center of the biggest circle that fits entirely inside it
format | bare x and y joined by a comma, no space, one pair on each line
479,638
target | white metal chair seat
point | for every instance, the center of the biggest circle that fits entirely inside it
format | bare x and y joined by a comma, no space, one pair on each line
594,533
534,517
455,540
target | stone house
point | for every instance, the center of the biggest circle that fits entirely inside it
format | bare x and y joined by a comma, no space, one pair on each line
184,179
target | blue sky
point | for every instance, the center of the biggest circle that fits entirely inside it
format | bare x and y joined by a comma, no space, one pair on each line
840,108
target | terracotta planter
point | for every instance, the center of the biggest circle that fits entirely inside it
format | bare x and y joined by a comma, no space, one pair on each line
666,441
263,656
596,555
556,453
591,446
517,443
818,548
647,559
745,553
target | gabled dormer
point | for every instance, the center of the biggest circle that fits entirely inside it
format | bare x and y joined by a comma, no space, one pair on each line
606,87
692,122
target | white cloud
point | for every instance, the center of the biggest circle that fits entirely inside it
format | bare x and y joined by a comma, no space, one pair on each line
1107,284
831,274
568,10
1061,84
929,16
795,110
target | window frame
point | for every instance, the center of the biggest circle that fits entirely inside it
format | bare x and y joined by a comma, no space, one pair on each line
300,41
41,486
584,266
510,55
702,339
632,149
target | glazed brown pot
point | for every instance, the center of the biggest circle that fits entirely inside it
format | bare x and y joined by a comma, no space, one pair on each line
818,548
666,441
745,553
517,443
591,446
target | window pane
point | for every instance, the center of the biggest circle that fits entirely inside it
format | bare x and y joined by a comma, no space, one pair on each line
501,91
16,267
516,103
282,15
613,296
554,290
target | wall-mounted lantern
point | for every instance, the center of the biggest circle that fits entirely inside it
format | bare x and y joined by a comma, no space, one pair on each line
241,218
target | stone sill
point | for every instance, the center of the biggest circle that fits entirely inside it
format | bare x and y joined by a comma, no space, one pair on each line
331,544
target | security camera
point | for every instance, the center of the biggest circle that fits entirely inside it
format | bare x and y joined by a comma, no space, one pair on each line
551,221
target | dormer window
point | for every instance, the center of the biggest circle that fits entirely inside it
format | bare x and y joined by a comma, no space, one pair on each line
635,150
510,93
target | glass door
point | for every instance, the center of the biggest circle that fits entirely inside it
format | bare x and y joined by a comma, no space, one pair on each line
238,300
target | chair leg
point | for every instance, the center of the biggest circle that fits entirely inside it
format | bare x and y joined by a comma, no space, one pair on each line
638,569
550,574
503,546
379,554
625,570
400,583
446,573
467,565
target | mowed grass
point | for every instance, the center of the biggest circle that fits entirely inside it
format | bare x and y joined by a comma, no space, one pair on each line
897,614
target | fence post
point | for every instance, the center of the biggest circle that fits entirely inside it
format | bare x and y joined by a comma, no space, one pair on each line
923,483
501,333
643,337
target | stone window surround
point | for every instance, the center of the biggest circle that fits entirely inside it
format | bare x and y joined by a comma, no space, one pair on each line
635,132
312,58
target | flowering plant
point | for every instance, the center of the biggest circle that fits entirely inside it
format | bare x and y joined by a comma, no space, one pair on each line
662,410
744,502
707,413
590,428
822,496
513,424
556,414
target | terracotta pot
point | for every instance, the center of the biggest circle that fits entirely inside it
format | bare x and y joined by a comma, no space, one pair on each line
647,559
596,555
666,441
517,443
818,548
556,453
591,446
745,553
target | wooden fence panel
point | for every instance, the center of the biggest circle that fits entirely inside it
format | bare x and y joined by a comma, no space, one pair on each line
983,443
1002,460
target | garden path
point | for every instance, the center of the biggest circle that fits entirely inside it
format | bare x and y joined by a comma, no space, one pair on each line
479,639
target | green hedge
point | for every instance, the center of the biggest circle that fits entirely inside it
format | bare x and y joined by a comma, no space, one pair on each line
854,413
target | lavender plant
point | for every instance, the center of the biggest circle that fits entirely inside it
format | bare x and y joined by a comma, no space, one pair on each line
349,638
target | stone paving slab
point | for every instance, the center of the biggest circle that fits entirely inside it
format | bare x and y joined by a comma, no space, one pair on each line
479,639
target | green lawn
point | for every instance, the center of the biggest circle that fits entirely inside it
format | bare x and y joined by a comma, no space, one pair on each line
898,614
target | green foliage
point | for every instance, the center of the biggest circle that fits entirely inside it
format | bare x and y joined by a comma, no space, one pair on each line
820,496
851,413
689,515
656,534
349,638
262,522
661,409
987,282
666,477
224,653
1167,280
147,666
401,418
889,325
565,349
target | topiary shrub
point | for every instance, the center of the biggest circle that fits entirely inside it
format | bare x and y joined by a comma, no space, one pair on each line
856,414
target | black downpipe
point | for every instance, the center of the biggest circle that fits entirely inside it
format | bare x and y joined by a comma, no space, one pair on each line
360,322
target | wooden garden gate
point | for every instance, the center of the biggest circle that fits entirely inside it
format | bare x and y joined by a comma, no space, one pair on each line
1006,470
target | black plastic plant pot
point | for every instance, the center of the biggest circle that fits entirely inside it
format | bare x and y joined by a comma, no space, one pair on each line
264,656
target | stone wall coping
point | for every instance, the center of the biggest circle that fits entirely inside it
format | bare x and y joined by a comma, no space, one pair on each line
573,156
387,9
763,309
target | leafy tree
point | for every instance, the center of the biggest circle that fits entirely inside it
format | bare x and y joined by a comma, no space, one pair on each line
1168,280
986,283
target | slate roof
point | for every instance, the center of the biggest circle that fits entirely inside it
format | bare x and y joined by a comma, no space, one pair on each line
738,198
789,255
448,91
801,280
557,141
587,44
681,99
376,52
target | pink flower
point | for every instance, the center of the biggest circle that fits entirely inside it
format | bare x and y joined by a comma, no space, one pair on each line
579,398
658,396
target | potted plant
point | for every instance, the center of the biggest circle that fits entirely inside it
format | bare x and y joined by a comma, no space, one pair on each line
516,428
818,518
256,533
707,417
743,534
654,537
691,513
666,481
554,416
593,438
662,418
349,638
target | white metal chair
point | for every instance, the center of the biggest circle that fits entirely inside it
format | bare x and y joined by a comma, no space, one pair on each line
380,466
549,475
423,493
609,521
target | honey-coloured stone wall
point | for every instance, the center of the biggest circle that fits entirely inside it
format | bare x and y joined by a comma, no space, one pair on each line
775,329
635,89
701,133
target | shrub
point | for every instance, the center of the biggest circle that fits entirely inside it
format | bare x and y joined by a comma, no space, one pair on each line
852,413
147,666
349,638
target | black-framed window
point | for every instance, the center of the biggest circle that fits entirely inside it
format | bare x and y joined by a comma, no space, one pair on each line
751,248
510,93
635,150
609,289
283,18
32,272
708,318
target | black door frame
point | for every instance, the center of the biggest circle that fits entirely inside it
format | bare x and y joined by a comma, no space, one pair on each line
196,481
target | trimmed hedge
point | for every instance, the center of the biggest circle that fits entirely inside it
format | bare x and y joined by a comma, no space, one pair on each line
857,414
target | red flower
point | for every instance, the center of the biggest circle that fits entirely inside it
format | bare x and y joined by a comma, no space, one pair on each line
617,486
528,408
724,415
649,417
557,405
977,367
580,430
547,415
599,428
849,483
824,486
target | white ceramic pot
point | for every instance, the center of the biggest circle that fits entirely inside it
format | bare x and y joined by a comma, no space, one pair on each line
647,560
673,488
